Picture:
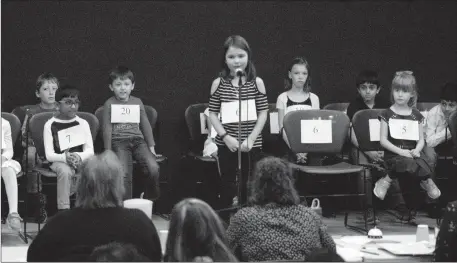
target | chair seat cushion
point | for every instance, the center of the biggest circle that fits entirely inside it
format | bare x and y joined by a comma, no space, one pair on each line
339,168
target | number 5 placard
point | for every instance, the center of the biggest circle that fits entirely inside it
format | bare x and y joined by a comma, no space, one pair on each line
121,113
316,131
404,129
71,137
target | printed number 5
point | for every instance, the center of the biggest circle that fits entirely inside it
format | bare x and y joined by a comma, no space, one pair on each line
125,111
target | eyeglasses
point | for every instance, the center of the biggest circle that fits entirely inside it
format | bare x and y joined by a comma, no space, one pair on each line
71,102
406,72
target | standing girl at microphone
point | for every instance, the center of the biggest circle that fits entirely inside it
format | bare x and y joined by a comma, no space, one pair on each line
224,99
297,97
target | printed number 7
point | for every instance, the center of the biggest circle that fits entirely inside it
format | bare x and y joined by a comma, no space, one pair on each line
68,136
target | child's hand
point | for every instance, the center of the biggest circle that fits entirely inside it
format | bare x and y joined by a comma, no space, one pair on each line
415,153
374,156
232,143
153,150
247,144
302,157
406,153
3,159
68,157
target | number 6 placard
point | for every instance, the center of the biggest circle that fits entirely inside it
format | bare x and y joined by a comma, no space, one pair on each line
121,113
316,131
71,137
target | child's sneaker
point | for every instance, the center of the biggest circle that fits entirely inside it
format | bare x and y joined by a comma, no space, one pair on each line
14,222
381,187
432,190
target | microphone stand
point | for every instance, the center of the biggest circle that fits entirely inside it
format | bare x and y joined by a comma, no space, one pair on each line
239,175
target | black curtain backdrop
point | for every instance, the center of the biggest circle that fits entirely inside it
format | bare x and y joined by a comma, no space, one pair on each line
175,49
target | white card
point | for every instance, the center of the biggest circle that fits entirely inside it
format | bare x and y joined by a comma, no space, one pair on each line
203,126
274,123
121,113
71,137
375,130
316,131
404,129
297,107
425,114
229,111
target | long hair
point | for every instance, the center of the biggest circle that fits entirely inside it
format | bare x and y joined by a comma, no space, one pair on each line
196,231
405,80
117,252
288,81
238,42
101,182
273,182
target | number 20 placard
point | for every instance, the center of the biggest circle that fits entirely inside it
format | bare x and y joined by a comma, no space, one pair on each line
125,113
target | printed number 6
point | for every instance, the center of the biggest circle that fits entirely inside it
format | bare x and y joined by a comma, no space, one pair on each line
125,111
315,130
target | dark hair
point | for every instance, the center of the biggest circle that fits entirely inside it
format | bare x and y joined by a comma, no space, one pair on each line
367,76
101,183
47,76
196,231
288,81
449,92
117,252
273,182
67,91
239,42
324,255
121,72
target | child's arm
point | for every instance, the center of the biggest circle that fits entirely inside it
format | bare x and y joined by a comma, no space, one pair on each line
145,127
107,126
387,144
434,138
51,155
88,147
317,106
262,114
420,144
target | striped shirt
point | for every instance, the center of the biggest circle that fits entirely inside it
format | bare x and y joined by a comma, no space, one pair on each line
226,92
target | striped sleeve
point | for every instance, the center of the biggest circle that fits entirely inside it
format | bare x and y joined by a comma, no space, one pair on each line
261,101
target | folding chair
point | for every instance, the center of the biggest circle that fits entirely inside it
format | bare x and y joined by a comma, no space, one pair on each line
36,127
453,129
339,106
22,189
300,125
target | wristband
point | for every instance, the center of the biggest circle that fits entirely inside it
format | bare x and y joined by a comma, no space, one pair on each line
223,136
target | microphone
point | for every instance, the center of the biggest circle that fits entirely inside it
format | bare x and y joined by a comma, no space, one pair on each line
239,72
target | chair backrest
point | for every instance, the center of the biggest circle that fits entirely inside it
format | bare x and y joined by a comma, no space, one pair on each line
193,121
339,130
20,112
361,126
270,132
15,125
340,106
426,106
453,127
37,122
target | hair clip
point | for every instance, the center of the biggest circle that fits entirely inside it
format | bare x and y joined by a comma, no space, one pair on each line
407,72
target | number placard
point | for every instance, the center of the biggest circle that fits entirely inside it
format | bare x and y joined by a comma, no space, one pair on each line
274,123
316,131
121,113
229,111
71,137
375,130
404,129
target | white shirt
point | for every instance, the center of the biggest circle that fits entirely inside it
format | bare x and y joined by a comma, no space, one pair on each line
436,127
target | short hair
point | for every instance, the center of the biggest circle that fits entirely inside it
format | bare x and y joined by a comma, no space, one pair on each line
273,181
324,255
298,61
238,42
67,91
117,252
121,72
449,92
101,184
367,76
47,76
405,80
196,231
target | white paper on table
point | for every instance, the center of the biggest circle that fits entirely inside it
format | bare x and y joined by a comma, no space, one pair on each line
229,111
316,131
71,137
122,113
297,107
375,130
404,129
274,123
409,249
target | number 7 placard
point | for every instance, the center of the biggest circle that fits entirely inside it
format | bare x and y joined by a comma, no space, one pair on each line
316,131
71,137
121,113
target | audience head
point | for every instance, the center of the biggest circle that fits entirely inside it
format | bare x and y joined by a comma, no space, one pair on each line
68,98
117,252
46,87
448,98
298,75
237,55
404,89
368,85
101,182
273,182
324,255
121,82
196,231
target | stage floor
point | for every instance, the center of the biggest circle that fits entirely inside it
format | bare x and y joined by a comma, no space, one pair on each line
15,250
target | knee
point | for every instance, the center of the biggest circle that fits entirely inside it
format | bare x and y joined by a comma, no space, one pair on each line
64,172
8,172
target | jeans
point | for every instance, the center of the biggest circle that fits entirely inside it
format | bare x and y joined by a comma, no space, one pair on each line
66,181
138,149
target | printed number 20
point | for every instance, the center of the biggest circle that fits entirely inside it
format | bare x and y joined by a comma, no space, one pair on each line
125,111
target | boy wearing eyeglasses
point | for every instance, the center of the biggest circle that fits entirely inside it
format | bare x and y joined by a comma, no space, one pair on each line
68,142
